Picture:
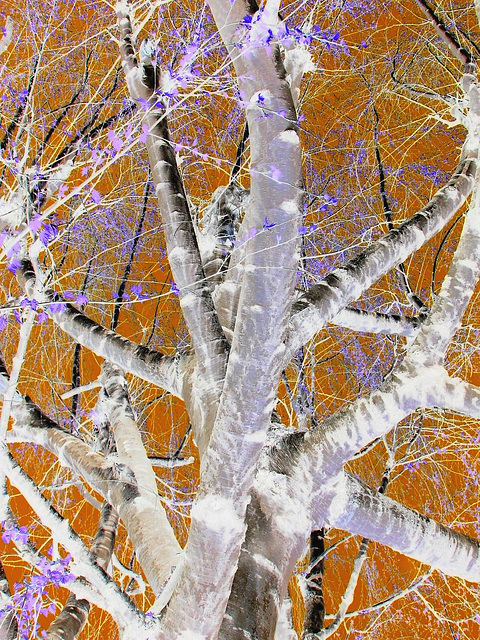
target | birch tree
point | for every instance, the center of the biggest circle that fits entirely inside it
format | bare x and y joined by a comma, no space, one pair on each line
240,248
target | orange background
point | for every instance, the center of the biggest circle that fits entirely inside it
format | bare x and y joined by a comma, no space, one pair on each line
436,474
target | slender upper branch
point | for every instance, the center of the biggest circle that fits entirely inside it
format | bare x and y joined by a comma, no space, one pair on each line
196,301
447,36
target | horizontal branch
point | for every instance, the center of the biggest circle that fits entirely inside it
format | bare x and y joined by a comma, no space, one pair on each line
374,322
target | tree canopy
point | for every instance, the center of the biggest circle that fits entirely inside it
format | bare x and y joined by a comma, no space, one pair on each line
239,336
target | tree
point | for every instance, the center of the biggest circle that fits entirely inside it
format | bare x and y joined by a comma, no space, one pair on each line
218,357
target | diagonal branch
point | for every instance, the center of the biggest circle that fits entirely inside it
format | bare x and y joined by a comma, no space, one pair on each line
127,616
73,617
370,514
345,284
165,371
455,294
196,301
447,36
142,513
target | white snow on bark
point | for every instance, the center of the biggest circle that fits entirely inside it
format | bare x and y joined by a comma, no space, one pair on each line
217,513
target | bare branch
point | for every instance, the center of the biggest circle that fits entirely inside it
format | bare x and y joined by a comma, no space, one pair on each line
153,366
372,515
196,301
347,283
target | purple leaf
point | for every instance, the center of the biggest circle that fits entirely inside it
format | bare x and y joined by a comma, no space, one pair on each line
35,224
57,307
14,265
143,136
48,233
96,196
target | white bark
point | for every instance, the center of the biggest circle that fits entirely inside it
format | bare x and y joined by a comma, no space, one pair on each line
165,371
368,513
346,284
129,619
156,547
208,340
370,322
142,513
264,306
71,620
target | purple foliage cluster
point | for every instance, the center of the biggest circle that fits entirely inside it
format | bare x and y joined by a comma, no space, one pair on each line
30,598
263,34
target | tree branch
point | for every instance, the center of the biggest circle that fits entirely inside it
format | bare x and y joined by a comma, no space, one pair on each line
345,284
370,514
73,617
196,301
165,371
142,513
127,616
